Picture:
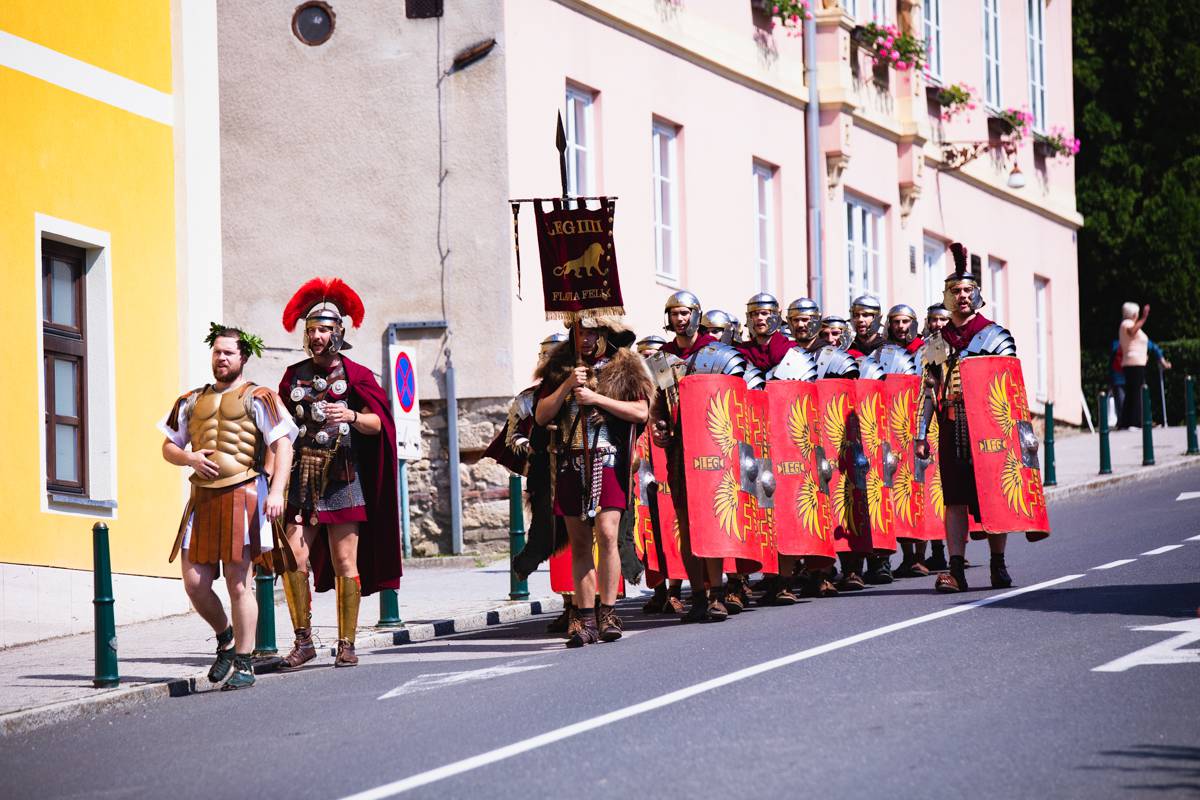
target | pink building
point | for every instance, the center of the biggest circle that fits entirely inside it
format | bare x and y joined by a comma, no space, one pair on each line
693,113
362,140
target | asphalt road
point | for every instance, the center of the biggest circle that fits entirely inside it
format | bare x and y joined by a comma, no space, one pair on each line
895,691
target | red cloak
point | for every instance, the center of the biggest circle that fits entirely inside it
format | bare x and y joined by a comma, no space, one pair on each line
765,356
702,339
379,549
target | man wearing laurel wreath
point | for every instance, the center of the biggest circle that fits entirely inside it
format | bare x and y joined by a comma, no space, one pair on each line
236,438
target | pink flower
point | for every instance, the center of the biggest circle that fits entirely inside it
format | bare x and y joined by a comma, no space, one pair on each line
879,42
891,40
901,65
775,10
894,55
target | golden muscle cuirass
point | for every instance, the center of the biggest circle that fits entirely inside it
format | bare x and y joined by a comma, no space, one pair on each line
219,422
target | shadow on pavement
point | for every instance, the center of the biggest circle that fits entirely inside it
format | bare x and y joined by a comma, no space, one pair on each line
1161,767
1176,600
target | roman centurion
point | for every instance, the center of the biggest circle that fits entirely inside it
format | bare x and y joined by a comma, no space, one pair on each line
342,516
804,321
237,439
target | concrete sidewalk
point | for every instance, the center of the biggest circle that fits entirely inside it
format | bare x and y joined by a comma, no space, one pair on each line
51,681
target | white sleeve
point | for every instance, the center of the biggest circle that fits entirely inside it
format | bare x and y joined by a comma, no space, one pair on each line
177,437
285,427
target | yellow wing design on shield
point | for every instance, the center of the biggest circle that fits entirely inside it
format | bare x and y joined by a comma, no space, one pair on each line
868,417
808,507
841,503
935,494
998,405
725,505
798,426
875,499
902,492
932,436
720,422
678,535
900,419
835,424
1012,485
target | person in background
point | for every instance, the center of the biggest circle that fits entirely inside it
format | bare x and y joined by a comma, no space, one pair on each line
1133,353
1116,376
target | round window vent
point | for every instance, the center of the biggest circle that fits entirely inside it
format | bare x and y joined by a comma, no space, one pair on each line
313,23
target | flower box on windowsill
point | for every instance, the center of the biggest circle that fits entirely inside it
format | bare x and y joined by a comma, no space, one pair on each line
998,127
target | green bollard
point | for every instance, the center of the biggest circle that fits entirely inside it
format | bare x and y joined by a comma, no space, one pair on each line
517,589
1105,450
1189,383
264,594
106,624
1050,477
389,609
1147,428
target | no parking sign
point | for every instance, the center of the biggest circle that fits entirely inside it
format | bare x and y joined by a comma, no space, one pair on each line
405,407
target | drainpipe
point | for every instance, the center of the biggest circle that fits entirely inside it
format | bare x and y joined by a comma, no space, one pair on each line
812,114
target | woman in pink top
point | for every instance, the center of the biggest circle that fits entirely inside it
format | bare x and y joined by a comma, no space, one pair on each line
1133,362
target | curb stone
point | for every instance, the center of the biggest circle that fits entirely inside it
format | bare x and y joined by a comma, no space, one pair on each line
1106,481
29,719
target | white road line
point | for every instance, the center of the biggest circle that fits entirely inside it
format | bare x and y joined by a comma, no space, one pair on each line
439,680
1187,496
1166,548
1118,563
1192,539
1167,652
567,731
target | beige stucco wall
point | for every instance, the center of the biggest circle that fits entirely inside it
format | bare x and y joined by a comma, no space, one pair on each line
330,166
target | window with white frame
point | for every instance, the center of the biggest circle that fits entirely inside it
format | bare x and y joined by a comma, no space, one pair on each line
581,154
851,7
934,272
764,226
993,289
76,393
864,239
1034,23
933,37
881,10
666,200
1041,335
991,53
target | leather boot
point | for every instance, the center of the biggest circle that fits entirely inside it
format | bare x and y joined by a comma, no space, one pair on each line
243,673
587,632
608,623
1000,576
224,661
349,594
299,600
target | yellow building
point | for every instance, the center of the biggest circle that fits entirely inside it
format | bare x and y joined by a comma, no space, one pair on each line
109,250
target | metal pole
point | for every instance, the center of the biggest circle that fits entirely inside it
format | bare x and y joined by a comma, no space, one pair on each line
1105,450
1189,403
1147,428
103,602
812,135
405,519
456,534
1049,476
1162,391
264,631
517,589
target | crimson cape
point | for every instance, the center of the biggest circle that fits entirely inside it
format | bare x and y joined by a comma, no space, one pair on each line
765,356
379,551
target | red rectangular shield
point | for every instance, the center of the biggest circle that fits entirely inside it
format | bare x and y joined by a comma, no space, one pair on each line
803,516
835,398
660,557
718,423
759,437
929,474
1003,447
562,577
872,494
902,396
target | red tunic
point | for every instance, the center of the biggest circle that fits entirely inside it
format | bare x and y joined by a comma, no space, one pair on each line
765,356
672,347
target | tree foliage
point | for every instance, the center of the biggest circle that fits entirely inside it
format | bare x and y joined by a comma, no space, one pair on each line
1137,107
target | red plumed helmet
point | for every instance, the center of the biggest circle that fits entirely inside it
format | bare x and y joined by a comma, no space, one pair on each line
320,291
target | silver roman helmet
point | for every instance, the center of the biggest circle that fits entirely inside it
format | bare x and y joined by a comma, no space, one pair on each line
842,326
324,302
961,276
682,299
804,328
869,304
720,324
549,343
901,310
763,300
650,344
